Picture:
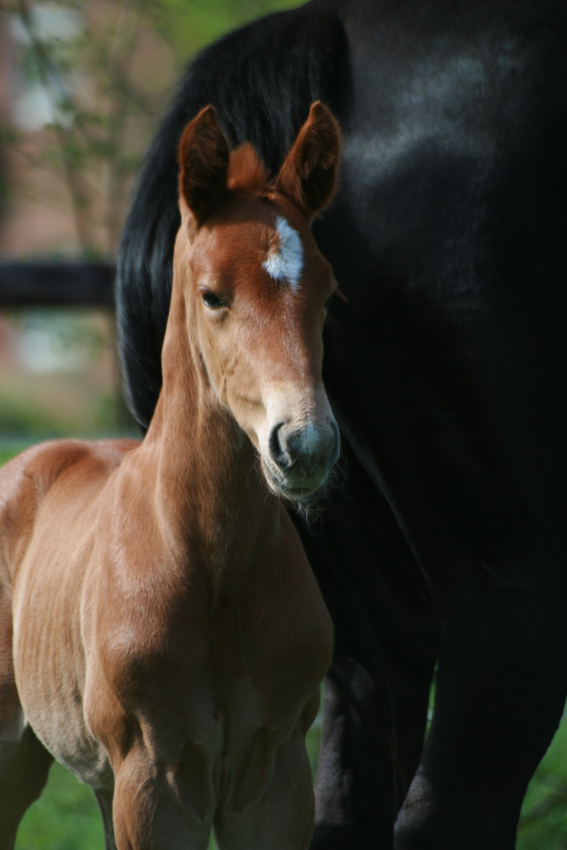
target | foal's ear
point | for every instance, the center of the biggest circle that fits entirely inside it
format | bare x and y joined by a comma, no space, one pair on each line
309,173
203,160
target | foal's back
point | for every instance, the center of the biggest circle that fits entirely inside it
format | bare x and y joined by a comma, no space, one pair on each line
59,476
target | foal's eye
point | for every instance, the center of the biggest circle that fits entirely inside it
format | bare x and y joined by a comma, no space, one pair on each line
329,301
210,300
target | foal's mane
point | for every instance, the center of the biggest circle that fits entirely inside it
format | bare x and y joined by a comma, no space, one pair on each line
247,172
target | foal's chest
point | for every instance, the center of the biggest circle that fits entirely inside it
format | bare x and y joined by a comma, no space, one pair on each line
234,665
215,687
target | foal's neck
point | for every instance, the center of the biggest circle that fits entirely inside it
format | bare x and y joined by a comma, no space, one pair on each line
209,491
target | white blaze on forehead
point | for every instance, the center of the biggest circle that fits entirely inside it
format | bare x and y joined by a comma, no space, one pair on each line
285,260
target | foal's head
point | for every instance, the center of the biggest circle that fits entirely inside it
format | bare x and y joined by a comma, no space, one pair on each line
257,289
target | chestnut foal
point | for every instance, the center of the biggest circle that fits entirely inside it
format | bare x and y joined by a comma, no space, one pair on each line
161,632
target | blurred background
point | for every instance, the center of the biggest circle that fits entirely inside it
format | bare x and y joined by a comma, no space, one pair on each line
82,88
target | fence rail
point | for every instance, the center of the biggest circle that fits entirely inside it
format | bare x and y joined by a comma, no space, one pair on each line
56,284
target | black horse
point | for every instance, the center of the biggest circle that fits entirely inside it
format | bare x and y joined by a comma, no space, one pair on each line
447,370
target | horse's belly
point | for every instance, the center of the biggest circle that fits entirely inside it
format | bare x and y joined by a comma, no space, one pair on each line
53,707
49,666
67,739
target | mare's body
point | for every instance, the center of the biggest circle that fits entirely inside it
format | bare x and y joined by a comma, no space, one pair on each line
161,632
447,372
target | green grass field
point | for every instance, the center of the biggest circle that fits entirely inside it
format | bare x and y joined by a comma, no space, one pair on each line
66,816
10,450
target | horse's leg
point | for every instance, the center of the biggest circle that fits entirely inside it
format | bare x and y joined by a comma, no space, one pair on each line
372,738
24,767
152,808
104,800
500,694
24,761
377,691
283,818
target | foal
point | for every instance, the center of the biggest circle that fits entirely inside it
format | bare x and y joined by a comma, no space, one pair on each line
161,632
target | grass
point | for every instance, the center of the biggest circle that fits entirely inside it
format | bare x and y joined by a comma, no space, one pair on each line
66,816
11,449
544,814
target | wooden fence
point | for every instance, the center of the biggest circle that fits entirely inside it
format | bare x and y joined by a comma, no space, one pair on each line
56,284
63,284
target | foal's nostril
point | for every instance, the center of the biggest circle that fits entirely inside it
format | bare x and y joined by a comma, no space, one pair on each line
277,451
307,452
312,447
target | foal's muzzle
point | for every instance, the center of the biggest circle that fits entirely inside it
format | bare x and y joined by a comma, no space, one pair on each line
302,457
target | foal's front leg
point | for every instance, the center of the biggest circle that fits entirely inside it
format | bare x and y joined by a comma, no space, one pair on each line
104,800
151,808
283,818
